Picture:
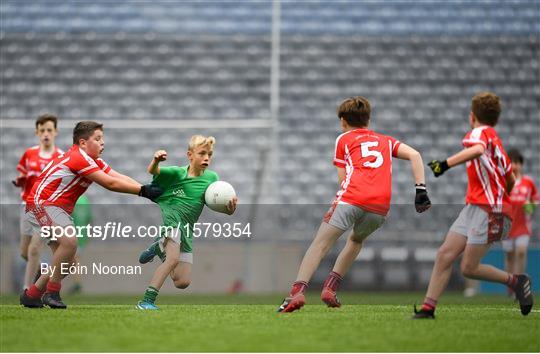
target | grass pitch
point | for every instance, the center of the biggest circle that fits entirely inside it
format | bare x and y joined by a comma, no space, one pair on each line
367,322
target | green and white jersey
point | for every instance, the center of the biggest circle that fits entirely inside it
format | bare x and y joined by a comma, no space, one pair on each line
182,200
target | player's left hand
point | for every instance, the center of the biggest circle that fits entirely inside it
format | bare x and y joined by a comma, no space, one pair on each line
438,167
19,181
150,191
231,206
421,200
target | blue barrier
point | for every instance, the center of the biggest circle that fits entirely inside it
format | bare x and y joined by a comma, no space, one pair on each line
496,258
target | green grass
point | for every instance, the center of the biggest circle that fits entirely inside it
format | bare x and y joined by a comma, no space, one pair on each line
369,322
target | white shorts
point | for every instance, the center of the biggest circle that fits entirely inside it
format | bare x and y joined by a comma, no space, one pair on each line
509,245
473,222
186,257
24,226
49,216
344,216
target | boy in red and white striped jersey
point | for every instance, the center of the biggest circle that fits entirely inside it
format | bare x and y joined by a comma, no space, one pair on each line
524,197
30,165
486,217
53,197
363,159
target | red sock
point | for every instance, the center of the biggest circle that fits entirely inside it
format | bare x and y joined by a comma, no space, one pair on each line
53,287
429,304
512,281
333,281
298,287
34,292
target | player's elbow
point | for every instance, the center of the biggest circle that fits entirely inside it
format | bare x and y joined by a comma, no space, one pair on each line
415,156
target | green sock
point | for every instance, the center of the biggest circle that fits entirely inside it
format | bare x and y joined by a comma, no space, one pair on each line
150,294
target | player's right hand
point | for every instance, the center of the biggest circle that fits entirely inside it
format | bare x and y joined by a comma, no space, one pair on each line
150,191
421,200
160,155
438,167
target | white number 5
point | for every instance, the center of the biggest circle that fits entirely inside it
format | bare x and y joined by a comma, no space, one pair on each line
366,152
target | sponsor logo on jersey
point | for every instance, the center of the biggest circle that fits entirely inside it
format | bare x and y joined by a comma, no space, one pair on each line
179,192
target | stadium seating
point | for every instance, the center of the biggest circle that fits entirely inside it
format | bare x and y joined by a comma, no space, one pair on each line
418,62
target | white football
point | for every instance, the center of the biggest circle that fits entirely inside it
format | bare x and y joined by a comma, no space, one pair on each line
218,195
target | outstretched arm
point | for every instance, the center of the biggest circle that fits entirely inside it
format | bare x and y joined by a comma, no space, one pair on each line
122,185
465,155
468,154
115,184
116,174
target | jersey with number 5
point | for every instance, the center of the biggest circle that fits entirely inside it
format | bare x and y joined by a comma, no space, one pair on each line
367,159
487,173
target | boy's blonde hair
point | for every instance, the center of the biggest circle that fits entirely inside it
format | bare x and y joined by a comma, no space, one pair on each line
200,140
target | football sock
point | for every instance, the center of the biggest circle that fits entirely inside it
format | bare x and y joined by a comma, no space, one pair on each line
429,304
333,281
53,287
512,281
150,294
298,287
34,292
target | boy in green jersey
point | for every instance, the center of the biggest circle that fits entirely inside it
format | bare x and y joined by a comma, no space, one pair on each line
181,205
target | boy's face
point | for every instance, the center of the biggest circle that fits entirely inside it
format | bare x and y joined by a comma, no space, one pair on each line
516,167
94,145
46,133
200,157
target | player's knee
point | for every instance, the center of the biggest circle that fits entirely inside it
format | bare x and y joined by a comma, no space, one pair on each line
70,242
182,283
468,269
171,262
521,252
33,251
445,255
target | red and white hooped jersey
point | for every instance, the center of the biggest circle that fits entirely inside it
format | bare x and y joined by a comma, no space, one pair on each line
62,182
367,159
487,173
31,164
524,191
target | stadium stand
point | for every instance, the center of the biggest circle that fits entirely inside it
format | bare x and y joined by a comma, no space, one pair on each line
418,62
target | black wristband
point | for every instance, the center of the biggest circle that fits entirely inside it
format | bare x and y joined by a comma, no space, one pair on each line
444,165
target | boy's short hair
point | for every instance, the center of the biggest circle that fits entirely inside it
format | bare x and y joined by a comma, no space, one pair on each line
486,107
516,156
200,140
85,129
355,110
46,117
